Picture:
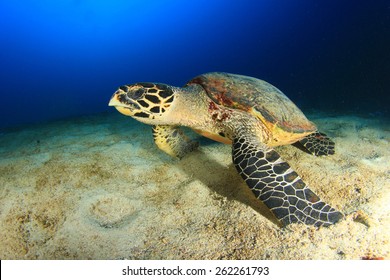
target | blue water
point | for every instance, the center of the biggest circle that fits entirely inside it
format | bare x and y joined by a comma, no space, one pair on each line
65,58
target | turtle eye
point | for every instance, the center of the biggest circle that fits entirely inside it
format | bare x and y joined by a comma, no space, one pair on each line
136,94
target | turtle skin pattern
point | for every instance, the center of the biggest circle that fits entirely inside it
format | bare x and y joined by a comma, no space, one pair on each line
318,144
279,187
173,141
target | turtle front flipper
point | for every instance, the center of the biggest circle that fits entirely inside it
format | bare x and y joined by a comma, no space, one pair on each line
280,188
318,144
173,141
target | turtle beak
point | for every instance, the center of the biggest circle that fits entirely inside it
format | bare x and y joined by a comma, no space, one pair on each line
114,101
125,108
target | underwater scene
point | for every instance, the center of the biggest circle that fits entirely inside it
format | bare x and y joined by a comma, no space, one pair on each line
222,130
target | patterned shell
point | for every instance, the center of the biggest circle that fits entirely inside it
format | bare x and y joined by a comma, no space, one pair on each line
257,97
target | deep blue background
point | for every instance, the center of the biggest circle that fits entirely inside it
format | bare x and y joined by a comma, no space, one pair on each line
66,58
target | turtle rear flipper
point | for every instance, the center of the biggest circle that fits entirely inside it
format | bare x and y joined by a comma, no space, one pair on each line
280,188
317,144
173,141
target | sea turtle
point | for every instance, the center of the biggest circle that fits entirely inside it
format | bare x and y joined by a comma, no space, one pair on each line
251,115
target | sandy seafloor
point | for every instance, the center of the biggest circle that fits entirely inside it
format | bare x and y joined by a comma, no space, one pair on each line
98,188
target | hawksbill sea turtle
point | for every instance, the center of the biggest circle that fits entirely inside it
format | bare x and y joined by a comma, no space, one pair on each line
252,116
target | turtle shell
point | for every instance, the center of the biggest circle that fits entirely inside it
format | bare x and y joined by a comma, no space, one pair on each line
258,98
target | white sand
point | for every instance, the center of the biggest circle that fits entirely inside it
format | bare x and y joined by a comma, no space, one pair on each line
98,188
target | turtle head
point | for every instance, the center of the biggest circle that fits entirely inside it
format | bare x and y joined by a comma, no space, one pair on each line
146,102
